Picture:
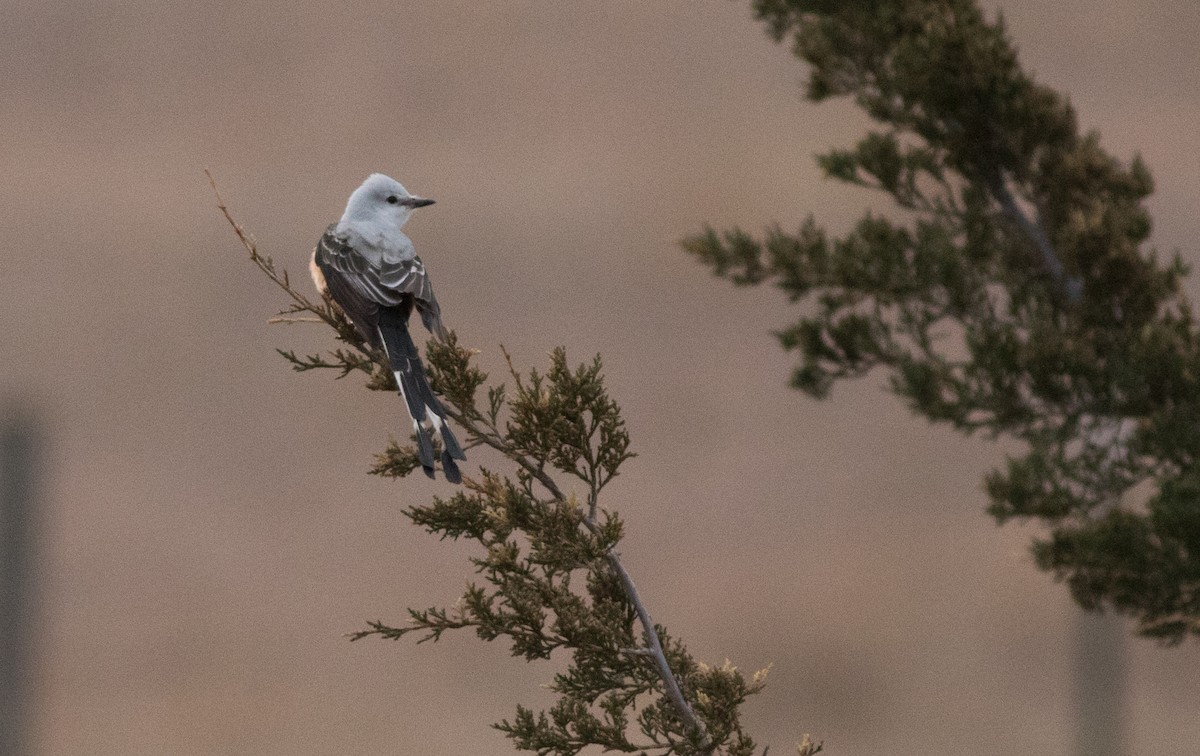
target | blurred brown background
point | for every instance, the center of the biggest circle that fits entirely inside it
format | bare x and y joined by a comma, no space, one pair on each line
209,534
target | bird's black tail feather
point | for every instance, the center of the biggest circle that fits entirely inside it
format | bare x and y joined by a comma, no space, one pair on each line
423,404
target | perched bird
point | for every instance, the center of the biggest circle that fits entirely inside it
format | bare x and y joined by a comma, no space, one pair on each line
366,264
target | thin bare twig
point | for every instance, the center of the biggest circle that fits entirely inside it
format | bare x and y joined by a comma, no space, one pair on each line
285,319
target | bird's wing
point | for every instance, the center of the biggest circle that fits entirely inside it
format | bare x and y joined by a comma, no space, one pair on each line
358,285
387,284
418,285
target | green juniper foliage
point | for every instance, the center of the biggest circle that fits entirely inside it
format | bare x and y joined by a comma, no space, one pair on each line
549,576
1012,295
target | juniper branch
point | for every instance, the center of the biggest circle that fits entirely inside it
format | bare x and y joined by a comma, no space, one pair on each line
561,421
654,648
492,437
1015,297
1035,231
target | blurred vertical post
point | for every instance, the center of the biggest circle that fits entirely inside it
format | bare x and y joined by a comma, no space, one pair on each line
19,468
1099,685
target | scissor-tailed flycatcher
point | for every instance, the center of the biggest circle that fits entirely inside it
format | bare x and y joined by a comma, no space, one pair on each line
366,264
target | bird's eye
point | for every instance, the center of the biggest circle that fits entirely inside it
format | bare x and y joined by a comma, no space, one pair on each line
393,199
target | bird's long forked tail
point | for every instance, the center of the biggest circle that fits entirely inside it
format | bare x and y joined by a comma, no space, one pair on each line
423,405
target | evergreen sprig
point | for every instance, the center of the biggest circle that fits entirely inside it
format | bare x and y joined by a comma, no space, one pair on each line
549,575
1013,297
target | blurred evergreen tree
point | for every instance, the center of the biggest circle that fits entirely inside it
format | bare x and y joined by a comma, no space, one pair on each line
1011,295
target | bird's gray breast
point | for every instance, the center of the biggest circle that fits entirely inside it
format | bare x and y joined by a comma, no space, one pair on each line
400,251
377,248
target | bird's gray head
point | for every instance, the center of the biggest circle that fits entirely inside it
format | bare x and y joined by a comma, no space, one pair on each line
379,206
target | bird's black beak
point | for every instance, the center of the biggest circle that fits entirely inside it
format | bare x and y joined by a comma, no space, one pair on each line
419,202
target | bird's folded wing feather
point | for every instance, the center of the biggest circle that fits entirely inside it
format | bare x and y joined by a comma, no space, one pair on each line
387,284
